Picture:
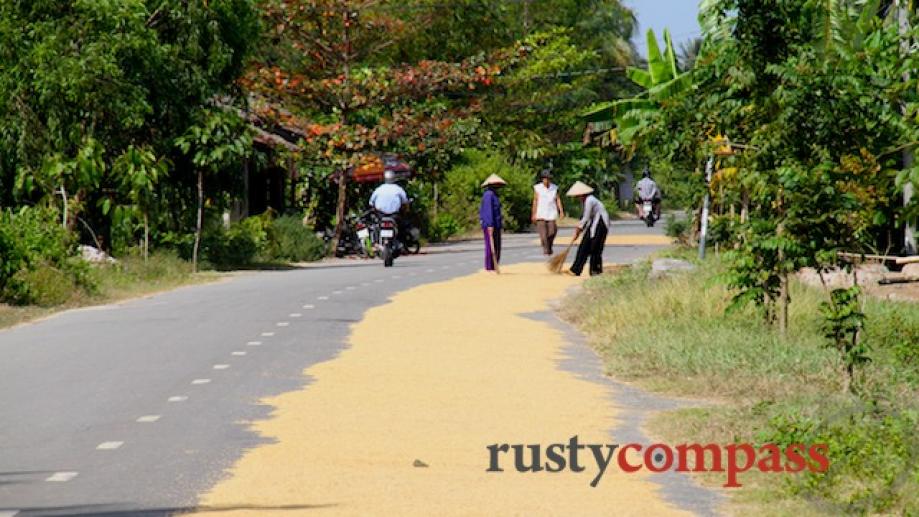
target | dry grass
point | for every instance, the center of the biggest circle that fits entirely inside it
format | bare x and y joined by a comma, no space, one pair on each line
130,278
674,336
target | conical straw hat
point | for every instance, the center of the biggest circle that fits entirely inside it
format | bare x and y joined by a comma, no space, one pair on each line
579,189
494,179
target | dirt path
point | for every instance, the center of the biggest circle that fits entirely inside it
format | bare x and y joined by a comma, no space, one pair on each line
437,375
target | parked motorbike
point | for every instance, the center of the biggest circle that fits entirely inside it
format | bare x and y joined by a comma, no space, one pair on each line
410,237
349,243
367,228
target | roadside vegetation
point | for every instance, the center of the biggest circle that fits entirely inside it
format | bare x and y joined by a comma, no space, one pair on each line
794,121
676,335
215,132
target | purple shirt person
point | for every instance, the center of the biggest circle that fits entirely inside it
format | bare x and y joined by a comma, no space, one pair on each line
490,217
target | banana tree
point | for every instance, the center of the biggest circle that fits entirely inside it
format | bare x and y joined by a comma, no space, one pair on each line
621,119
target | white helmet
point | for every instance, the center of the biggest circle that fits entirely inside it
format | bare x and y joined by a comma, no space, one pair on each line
389,176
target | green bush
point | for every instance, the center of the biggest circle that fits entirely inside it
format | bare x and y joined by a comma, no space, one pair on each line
677,228
239,245
290,240
873,456
38,262
45,286
443,227
463,193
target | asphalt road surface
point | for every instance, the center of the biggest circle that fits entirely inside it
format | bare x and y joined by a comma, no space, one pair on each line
136,408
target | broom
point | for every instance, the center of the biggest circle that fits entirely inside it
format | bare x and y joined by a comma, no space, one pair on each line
494,256
557,262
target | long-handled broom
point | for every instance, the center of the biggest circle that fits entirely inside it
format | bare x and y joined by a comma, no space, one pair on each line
494,256
557,262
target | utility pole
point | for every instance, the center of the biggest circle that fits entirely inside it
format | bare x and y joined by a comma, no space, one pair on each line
703,224
909,226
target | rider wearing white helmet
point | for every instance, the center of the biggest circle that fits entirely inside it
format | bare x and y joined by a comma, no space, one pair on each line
389,198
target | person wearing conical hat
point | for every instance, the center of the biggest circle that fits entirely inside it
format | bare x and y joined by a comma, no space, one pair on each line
594,224
490,217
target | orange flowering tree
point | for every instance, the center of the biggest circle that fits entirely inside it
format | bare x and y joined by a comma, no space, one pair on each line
324,70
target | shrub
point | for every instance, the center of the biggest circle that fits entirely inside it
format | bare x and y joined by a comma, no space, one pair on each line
38,262
239,245
464,193
289,239
443,227
44,286
677,228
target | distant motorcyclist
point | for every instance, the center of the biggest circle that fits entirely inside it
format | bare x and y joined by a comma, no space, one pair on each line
647,190
389,198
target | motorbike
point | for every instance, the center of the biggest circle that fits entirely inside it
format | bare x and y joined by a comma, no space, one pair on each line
366,230
410,237
389,244
647,209
350,242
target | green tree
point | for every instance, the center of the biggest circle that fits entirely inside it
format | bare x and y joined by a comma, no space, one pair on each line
98,76
139,171
218,140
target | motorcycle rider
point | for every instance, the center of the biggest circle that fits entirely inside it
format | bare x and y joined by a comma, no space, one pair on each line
389,199
647,190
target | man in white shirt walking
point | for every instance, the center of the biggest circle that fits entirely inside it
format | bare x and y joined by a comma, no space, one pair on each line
594,224
547,210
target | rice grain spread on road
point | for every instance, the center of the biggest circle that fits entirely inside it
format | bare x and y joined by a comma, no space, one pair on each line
431,379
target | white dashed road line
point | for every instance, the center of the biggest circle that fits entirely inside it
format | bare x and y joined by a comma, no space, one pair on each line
178,398
267,334
148,419
254,343
294,315
337,292
283,323
221,366
238,352
322,297
350,288
200,381
61,477
309,306
109,446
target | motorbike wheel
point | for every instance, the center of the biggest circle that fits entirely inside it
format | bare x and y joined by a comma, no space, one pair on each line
413,248
387,256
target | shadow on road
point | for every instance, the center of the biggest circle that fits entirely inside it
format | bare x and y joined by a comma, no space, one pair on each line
127,510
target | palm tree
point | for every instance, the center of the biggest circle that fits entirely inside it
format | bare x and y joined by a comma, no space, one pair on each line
689,52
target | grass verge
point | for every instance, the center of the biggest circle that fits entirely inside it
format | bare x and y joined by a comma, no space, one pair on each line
129,278
672,335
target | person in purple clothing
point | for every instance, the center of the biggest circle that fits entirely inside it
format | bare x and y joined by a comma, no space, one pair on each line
490,216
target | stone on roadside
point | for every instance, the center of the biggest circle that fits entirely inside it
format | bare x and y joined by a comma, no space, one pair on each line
666,266
95,255
911,269
836,278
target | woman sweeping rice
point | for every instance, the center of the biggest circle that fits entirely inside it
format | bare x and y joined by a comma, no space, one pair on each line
594,224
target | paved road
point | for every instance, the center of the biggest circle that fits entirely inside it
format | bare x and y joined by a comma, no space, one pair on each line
135,408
